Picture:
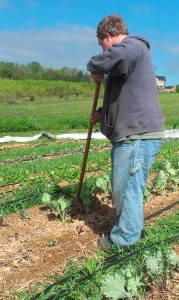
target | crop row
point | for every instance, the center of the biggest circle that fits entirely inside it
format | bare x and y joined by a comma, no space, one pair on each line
39,176
48,150
30,193
119,274
19,177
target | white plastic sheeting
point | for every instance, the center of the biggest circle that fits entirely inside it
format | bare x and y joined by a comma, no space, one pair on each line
173,133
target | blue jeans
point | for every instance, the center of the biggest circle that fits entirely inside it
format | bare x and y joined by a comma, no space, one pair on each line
131,161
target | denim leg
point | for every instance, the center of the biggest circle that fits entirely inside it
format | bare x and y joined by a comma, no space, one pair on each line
131,161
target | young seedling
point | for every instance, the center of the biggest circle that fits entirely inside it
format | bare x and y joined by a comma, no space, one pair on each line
147,192
86,195
64,204
54,242
60,205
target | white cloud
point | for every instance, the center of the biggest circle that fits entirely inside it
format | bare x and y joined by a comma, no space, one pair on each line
71,46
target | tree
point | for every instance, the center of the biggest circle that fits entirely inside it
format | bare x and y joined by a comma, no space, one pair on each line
36,69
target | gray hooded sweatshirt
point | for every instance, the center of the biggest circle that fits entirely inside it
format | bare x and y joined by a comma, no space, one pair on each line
130,104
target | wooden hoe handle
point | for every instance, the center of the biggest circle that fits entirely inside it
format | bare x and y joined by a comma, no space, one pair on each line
90,128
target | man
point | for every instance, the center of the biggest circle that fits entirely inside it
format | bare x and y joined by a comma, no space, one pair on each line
130,118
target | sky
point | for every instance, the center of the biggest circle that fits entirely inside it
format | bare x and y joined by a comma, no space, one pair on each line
60,33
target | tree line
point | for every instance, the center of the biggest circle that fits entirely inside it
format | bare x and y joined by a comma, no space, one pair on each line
34,70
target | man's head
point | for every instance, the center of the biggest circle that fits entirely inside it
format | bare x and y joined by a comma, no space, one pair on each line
109,29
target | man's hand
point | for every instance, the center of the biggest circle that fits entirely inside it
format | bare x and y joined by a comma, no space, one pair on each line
97,78
95,117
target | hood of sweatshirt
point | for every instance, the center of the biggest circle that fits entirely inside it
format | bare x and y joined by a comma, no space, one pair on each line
140,38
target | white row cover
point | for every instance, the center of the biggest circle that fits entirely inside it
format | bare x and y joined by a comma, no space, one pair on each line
173,133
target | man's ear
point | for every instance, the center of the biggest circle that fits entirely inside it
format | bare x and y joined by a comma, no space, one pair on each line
107,36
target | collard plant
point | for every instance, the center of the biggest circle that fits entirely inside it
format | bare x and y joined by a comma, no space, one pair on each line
128,283
87,197
102,184
60,205
123,285
168,176
160,265
90,189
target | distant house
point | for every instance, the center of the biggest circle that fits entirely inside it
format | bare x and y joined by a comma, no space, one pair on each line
160,82
170,89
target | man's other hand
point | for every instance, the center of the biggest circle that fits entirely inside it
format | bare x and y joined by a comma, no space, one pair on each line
95,117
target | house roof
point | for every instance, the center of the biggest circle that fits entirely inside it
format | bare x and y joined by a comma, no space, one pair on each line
161,78
169,87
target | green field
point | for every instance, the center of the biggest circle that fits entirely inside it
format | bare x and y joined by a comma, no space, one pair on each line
170,108
64,114
54,114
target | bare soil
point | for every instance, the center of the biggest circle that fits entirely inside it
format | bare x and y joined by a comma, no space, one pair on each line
31,249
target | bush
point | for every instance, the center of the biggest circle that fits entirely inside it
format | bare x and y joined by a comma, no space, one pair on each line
31,98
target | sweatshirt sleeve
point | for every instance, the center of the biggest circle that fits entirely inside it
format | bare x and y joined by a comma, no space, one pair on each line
118,60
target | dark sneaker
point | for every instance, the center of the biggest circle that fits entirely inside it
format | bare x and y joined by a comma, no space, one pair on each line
104,244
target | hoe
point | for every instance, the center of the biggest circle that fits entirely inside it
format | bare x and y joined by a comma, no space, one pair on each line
88,142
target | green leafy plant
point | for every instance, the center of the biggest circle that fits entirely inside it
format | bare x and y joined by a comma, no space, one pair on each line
161,182
127,283
159,265
93,265
89,189
147,192
168,176
173,174
154,265
134,281
86,195
102,183
165,176
113,287
173,258
60,205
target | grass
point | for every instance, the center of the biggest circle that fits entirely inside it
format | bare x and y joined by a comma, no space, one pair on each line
46,114
57,115
170,108
49,105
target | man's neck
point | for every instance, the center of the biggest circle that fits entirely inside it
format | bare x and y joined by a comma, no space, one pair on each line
118,39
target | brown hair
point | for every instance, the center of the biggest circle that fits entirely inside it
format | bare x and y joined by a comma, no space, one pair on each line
113,24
